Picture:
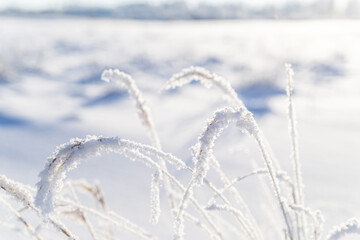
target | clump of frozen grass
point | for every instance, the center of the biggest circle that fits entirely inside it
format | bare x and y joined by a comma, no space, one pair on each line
246,123
55,199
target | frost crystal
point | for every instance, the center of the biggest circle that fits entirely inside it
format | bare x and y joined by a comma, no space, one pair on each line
207,79
351,226
69,155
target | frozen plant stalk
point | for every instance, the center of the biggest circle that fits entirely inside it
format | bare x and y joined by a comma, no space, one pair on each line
207,79
21,193
127,82
295,150
245,121
351,226
69,155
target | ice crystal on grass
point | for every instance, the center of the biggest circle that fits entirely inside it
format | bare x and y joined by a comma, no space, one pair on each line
245,121
69,155
352,226
207,79
16,190
299,198
126,81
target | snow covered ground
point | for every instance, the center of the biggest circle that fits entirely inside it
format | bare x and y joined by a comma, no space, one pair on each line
50,92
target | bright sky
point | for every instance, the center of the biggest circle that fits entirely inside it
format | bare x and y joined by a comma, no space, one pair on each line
44,4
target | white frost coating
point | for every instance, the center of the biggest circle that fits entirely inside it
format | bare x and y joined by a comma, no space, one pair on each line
299,199
202,226
127,82
22,193
69,155
202,159
147,160
178,163
237,214
128,225
245,121
187,75
155,198
352,226
243,220
316,216
207,139
18,191
206,78
280,175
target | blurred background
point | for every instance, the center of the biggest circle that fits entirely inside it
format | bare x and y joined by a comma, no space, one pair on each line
52,54
186,9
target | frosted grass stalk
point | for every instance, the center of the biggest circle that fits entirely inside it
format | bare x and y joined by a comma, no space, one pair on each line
245,121
235,193
240,217
126,81
22,194
16,190
11,216
202,159
295,150
207,79
154,198
317,218
123,224
28,226
69,155
181,187
281,176
94,191
198,223
255,132
82,214
351,226
201,225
